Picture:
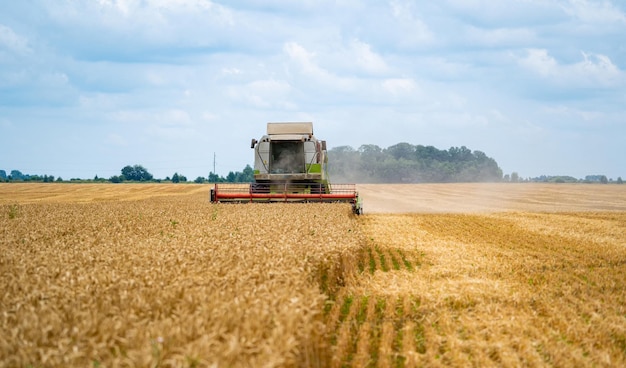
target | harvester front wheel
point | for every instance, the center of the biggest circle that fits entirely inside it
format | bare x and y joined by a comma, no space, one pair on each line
357,206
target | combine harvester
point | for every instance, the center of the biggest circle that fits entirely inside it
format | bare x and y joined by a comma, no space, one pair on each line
290,165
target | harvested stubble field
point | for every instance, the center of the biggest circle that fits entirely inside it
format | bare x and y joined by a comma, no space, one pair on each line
154,275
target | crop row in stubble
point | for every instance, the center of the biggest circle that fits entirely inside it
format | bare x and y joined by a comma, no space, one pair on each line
507,289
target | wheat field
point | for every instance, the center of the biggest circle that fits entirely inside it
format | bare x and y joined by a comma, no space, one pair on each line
512,289
155,275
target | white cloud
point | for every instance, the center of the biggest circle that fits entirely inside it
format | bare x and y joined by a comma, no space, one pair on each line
500,36
97,101
174,118
414,30
5,124
306,63
264,94
139,8
116,140
208,116
367,59
13,78
12,41
167,117
178,4
172,68
130,116
231,71
157,22
304,59
599,12
503,13
123,6
171,124
598,68
538,61
54,79
399,86
567,113
594,70
156,78
443,68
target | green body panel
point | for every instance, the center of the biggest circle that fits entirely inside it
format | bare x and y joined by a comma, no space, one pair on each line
314,168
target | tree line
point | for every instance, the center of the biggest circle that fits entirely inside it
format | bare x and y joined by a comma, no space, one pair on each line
134,173
16,175
588,179
400,163
408,163
139,173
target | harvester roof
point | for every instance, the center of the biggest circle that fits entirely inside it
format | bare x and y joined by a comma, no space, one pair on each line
289,128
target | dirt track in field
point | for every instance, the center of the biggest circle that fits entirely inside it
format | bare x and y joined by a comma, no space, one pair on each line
491,197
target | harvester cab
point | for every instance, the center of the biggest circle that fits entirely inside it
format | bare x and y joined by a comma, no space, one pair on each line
290,164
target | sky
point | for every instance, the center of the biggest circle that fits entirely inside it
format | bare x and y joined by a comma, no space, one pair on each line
90,86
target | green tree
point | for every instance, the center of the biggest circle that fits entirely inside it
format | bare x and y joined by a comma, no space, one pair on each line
405,163
345,164
370,151
430,153
231,177
247,176
461,154
16,175
402,150
136,173
116,179
214,178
